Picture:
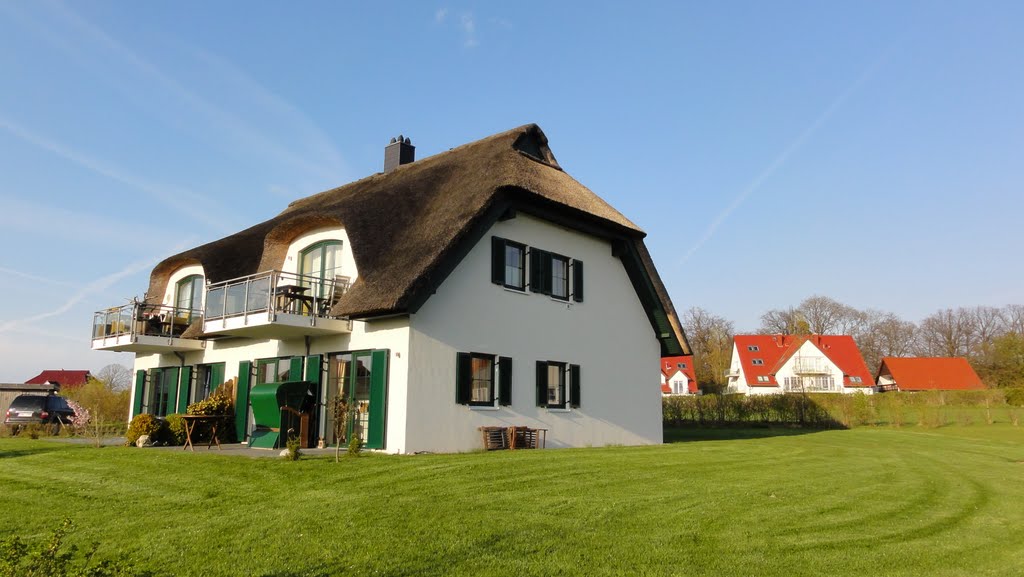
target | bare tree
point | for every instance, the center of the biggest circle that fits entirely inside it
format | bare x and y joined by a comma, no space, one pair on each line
947,333
116,377
710,336
883,334
1013,315
787,322
989,323
826,316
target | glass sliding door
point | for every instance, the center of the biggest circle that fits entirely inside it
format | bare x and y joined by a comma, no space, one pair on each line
355,398
322,261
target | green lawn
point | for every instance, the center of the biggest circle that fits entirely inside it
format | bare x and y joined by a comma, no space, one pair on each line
864,502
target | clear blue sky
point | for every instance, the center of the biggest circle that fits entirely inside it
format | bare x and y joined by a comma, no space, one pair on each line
868,151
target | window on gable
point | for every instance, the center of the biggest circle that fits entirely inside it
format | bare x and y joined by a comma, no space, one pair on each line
753,348
560,277
550,274
757,361
679,387
508,263
483,380
558,385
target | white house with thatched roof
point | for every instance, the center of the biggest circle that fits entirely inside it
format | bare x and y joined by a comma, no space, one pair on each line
481,287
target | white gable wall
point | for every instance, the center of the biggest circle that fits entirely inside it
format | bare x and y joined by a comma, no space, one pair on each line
737,384
608,335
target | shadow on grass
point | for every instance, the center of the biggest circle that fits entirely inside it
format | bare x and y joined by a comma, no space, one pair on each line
21,452
695,433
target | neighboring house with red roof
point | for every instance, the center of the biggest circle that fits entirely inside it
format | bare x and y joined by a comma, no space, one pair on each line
66,379
773,364
927,374
677,376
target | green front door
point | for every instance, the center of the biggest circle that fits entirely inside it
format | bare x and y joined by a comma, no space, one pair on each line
357,397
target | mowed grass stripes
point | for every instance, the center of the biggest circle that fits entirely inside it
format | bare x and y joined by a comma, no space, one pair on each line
900,502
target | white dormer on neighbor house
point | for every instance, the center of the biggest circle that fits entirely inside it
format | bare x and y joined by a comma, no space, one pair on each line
482,286
775,364
677,376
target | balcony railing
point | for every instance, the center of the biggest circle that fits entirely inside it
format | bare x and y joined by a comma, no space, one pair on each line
141,327
273,292
811,385
810,366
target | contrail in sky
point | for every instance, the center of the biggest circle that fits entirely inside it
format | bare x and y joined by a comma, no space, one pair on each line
11,271
97,285
782,158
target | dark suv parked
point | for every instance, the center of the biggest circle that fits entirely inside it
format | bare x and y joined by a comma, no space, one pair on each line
38,409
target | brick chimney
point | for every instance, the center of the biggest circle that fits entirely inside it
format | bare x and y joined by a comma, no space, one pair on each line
400,151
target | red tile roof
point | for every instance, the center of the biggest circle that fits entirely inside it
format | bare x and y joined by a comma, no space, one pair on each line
65,378
931,373
669,367
775,350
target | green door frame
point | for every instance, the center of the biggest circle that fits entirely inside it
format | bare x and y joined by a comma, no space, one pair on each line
376,420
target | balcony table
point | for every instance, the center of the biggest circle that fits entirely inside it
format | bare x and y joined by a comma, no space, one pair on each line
190,422
293,298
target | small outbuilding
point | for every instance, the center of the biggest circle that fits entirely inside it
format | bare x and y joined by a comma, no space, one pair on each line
927,374
8,392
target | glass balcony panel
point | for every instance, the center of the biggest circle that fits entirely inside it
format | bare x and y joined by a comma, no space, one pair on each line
259,294
235,304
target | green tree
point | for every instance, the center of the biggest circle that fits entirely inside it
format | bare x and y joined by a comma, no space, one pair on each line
1002,363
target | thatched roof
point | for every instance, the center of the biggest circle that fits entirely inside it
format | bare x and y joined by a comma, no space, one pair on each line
408,228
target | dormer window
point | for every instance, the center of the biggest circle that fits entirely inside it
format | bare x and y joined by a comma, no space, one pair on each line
188,297
320,262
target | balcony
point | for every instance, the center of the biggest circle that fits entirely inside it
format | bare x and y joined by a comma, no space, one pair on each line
811,366
143,328
811,385
274,305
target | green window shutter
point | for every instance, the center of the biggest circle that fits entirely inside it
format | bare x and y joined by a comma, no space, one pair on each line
574,385
242,398
184,389
577,281
542,384
216,376
140,388
504,381
497,260
172,391
314,366
295,369
463,378
378,399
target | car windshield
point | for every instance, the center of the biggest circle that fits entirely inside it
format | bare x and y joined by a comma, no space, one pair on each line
29,403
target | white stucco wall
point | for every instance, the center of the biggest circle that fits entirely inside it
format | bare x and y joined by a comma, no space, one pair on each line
608,335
